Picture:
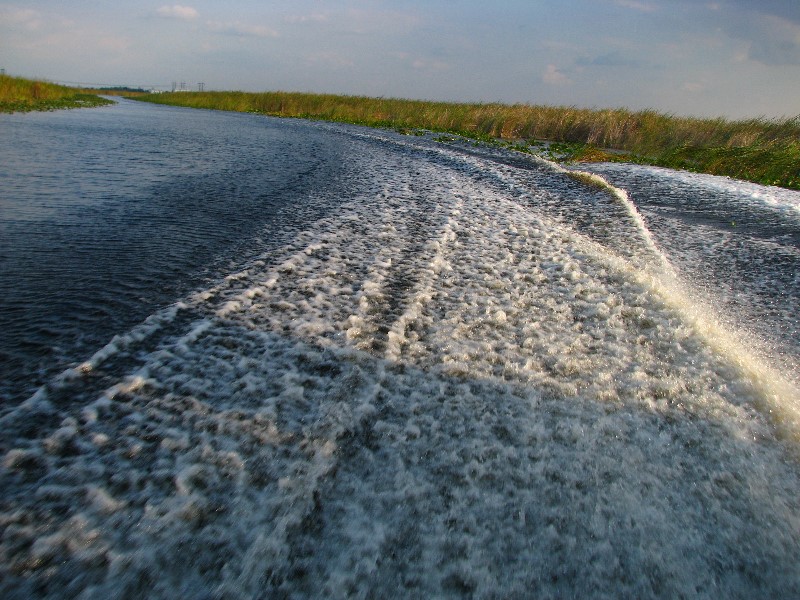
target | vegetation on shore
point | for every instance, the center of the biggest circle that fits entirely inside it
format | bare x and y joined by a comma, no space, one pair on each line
23,95
760,150
119,90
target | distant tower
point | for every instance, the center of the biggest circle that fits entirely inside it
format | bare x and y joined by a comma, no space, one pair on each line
183,86
201,86
174,85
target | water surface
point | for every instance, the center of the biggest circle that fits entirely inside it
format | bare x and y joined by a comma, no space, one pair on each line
247,357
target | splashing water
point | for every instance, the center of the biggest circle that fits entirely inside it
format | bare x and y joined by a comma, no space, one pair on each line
474,377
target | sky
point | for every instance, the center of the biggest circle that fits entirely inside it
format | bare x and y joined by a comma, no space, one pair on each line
720,58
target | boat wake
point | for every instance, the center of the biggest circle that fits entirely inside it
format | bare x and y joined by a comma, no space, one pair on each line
478,377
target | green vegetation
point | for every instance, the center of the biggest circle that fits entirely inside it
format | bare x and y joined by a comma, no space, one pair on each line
120,90
760,150
22,95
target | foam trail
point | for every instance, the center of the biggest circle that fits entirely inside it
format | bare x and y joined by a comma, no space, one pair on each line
472,378
781,397
119,343
635,215
777,395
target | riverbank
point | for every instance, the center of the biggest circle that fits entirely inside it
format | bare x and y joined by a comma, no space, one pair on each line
758,150
23,95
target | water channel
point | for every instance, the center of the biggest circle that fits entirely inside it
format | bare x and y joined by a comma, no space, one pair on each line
249,357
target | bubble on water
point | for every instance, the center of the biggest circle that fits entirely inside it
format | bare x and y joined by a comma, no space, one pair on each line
443,389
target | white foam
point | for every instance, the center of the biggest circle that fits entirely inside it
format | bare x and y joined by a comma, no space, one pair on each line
440,390
785,200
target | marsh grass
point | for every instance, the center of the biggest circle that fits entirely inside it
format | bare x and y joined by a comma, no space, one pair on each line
761,150
22,95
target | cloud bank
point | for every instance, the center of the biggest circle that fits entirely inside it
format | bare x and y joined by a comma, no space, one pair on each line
176,11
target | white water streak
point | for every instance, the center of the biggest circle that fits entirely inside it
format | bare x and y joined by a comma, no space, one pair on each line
437,391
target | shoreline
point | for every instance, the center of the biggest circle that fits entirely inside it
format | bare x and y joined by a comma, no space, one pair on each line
761,151
28,95
756,150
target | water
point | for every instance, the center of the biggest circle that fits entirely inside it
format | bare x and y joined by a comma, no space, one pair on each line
109,215
248,357
734,242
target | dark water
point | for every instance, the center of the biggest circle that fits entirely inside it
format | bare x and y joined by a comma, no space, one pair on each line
108,215
250,358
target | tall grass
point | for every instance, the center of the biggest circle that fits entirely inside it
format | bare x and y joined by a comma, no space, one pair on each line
760,150
19,94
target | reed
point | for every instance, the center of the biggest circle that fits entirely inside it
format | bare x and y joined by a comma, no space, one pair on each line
761,150
21,95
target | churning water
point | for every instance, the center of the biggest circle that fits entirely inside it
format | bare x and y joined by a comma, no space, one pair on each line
246,357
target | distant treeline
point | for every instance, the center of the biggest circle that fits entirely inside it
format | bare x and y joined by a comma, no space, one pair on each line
21,95
760,150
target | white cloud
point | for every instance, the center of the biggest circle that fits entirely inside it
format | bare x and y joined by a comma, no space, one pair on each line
176,11
33,21
241,29
634,5
114,44
312,18
364,21
23,18
553,76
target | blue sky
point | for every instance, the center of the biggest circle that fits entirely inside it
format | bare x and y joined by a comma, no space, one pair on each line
732,58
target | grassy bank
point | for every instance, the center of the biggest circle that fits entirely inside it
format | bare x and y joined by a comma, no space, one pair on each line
760,150
22,95
125,92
